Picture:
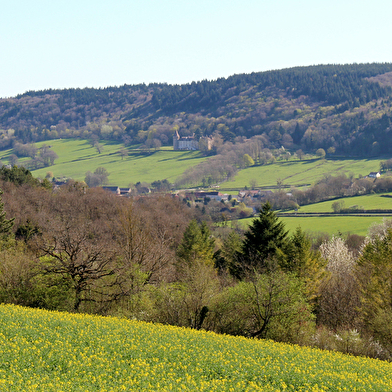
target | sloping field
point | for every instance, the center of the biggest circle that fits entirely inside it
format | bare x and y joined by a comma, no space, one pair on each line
77,156
367,202
298,173
50,351
343,224
332,224
327,224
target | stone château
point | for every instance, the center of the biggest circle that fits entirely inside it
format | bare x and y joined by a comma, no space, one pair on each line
191,142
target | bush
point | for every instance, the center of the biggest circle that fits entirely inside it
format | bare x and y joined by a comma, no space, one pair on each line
270,306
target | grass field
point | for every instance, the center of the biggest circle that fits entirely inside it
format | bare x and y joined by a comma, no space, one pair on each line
343,224
368,202
76,157
332,225
50,351
297,172
328,224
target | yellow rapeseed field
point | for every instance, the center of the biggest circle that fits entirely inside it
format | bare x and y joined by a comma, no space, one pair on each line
52,351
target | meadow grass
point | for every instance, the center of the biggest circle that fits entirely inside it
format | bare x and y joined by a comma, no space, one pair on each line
77,156
297,173
367,202
326,224
53,351
332,224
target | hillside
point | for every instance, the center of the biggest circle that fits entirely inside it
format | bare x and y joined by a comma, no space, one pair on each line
77,156
52,351
343,107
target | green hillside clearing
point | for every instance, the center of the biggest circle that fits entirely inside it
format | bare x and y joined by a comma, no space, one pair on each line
333,224
327,224
77,156
367,202
298,173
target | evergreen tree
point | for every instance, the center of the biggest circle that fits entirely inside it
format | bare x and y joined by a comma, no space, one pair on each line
197,244
18,176
264,240
297,134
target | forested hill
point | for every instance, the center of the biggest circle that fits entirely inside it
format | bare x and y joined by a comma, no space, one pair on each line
347,107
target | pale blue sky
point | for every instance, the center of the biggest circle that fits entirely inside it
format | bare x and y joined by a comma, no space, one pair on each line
99,43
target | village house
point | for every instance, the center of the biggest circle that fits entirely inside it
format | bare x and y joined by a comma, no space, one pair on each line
214,195
374,175
117,190
201,195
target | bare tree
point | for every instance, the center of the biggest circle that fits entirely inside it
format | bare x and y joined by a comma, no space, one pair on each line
253,183
300,154
99,147
99,177
48,156
144,256
123,153
13,160
76,247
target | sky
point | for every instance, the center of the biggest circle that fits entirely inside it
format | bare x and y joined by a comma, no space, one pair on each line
100,43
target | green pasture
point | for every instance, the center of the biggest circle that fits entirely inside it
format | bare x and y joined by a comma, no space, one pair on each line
296,172
332,224
46,351
329,224
367,202
76,157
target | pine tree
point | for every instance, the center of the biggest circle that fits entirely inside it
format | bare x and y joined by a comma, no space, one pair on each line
264,240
